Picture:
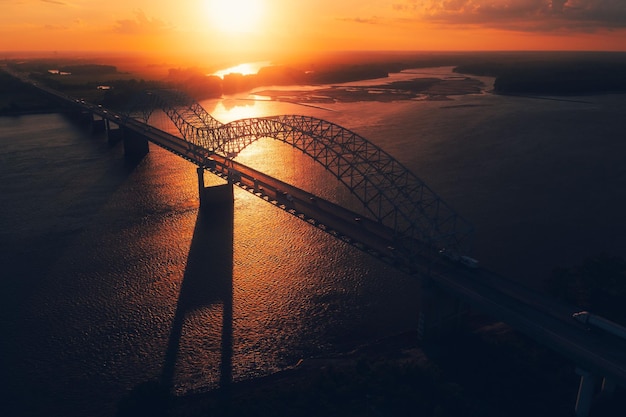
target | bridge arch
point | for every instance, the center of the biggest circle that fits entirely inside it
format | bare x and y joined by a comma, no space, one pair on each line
191,119
390,193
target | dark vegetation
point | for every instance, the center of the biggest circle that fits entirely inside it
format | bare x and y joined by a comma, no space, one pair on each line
96,83
123,92
89,69
18,98
565,73
558,73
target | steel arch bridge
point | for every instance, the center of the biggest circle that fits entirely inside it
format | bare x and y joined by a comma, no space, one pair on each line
391,194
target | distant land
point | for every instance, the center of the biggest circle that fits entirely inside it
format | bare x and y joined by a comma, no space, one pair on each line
520,73
555,74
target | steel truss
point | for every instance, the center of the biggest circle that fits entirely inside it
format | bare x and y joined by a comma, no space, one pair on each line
190,118
391,194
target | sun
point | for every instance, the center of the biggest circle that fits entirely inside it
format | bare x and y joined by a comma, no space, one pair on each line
235,16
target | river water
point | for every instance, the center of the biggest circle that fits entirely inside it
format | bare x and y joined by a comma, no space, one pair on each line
111,278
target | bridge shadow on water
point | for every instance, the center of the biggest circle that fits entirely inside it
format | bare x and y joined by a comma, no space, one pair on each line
207,281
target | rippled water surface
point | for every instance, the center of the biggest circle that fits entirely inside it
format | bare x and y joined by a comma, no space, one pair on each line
112,278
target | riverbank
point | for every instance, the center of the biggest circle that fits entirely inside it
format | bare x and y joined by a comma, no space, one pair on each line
488,371
432,88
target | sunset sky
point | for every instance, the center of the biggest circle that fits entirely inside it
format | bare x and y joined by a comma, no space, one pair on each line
213,26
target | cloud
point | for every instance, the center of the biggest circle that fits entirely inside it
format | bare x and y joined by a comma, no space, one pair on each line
55,2
557,5
528,15
141,25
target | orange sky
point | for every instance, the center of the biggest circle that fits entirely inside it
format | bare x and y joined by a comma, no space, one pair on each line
213,26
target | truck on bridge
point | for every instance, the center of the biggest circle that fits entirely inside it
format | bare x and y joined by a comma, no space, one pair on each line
600,322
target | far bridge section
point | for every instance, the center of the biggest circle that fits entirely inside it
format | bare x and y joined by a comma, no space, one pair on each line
407,224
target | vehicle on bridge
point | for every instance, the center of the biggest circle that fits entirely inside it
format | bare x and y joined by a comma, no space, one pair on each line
600,322
464,260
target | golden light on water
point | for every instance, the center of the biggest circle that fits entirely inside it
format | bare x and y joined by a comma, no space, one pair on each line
247,68
234,109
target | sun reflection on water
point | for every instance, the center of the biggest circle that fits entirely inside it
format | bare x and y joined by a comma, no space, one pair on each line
247,68
245,106
227,110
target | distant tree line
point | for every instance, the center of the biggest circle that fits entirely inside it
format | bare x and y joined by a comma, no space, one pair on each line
123,92
561,74
89,69
42,66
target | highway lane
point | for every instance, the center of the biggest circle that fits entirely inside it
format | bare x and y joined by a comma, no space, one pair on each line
542,318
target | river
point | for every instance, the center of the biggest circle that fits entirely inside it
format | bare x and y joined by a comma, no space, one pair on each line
112,279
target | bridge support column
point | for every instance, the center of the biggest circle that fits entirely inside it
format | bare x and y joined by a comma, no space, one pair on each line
97,125
217,196
608,387
439,312
135,145
84,117
586,391
114,135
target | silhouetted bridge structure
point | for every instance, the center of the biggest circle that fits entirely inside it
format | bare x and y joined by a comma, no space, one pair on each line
405,222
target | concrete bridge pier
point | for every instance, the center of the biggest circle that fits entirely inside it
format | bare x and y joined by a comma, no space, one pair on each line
588,391
439,312
97,125
214,197
114,134
135,145
608,387
83,116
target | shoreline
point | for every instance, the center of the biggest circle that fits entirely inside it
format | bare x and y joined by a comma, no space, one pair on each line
352,383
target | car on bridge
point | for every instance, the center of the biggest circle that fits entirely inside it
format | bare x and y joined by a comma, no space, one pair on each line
600,322
464,260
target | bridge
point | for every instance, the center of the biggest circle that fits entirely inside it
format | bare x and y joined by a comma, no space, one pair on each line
405,224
